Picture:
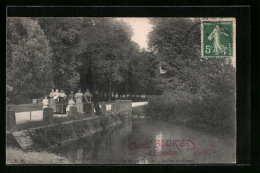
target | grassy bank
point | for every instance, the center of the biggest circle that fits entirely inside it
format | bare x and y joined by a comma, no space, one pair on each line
213,115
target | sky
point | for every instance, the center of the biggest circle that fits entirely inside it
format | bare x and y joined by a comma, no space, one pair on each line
141,28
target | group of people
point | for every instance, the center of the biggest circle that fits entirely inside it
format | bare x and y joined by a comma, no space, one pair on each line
61,103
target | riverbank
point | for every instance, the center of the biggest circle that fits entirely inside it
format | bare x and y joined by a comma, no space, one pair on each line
18,156
36,142
150,141
53,135
142,111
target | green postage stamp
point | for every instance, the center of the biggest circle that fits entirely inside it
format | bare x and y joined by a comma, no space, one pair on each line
218,37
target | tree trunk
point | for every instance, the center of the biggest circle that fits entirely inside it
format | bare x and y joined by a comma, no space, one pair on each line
108,96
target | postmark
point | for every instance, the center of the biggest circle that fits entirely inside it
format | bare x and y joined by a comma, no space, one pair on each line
218,37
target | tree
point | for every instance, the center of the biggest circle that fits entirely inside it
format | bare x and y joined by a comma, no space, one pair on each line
176,41
29,57
64,37
197,90
105,52
88,52
143,73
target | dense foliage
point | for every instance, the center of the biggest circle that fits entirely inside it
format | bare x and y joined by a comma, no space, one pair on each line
196,90
95,53
29,57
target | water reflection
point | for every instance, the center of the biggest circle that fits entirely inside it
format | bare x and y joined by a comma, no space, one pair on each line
113,146
159,137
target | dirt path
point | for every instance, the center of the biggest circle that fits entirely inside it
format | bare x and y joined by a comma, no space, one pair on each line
17,156
136,104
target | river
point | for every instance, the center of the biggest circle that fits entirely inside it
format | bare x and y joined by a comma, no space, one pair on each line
150,141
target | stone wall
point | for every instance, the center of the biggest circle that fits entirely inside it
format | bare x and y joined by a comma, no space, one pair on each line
57,134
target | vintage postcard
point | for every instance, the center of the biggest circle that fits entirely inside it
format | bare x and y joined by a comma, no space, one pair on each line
110,90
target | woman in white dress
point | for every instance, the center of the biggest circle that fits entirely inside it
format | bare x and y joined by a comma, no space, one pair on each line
52,101
45,102
71,101
79,96
56,100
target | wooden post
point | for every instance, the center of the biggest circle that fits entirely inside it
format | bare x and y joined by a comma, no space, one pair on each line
30,116
11,120
113,107
103,109
89,109
73,111
48,115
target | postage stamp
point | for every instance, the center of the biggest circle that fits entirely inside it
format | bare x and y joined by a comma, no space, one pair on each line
218,37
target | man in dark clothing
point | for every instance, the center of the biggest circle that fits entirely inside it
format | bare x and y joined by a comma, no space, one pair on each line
87,96
62,102
87,100
71,96
95,99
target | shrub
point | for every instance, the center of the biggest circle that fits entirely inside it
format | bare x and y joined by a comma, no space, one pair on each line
107,120
214,114
139,110
96,123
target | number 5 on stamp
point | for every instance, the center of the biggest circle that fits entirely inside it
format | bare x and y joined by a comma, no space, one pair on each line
218,37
